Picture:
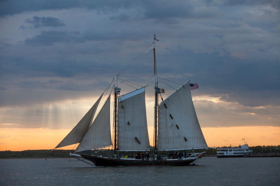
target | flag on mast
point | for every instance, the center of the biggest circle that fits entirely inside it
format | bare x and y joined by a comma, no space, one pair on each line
194,86
160,90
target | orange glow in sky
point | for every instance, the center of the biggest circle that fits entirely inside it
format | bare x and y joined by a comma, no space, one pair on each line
17,139
218,120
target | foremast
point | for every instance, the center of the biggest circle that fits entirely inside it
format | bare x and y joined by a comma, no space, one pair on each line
116,92
156,97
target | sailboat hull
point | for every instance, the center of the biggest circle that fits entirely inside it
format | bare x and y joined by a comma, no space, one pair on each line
103,161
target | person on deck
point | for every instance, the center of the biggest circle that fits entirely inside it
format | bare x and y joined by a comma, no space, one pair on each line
180,155
146,155
170,155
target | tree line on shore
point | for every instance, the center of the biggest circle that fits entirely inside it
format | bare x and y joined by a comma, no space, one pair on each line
65,153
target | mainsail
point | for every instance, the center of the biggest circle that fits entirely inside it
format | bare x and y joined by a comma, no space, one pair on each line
178,127
78,132
132,122
99,133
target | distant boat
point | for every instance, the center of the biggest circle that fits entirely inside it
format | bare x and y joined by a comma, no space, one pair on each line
240,151
176,128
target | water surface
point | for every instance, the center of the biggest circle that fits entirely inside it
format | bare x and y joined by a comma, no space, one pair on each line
208,171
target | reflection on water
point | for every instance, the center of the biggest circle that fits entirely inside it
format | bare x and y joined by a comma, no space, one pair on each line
208,171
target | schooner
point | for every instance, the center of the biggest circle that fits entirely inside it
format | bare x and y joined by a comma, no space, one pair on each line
176,127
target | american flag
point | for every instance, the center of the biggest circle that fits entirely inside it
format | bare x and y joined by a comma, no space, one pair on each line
193,86
160,90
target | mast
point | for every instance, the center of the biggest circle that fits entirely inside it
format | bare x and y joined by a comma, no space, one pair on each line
115,114
156,96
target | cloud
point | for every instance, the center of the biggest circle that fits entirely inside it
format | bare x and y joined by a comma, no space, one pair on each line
121,17
230,51
55,68
249,82
39,22
230,114
18,6
178,9
55,84
273,3
40,92
51,37
68,112
156,9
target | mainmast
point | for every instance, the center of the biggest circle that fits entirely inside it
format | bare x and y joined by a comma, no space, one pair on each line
156,96
116,91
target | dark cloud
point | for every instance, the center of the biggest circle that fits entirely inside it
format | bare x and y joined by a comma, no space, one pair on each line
177,9
226,56
39,22
51,37
232,114
59,85
248,82
157,9
32,85
76,87
253,98
27,93
273,3
19,6
121,17
28,67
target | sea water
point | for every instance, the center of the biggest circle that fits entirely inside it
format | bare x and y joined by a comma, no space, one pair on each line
207,171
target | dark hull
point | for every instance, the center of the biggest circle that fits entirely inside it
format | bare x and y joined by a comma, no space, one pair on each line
99,161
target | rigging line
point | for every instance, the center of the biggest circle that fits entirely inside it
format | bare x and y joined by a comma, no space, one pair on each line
109,86
168,85
130,85
125,68
75,147
129,66
139,76
170,81
130,82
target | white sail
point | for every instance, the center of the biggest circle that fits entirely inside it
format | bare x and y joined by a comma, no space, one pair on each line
99,133
78,132
132,122
178,126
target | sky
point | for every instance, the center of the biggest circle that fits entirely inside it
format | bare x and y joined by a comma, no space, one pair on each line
57,57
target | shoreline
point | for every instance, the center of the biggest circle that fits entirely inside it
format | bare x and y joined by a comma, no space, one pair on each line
50,154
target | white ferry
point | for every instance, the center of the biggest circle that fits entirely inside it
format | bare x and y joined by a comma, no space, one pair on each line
240,151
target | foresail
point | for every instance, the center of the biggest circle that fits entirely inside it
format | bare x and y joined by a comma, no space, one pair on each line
99,133
132,122
78,132
178,124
